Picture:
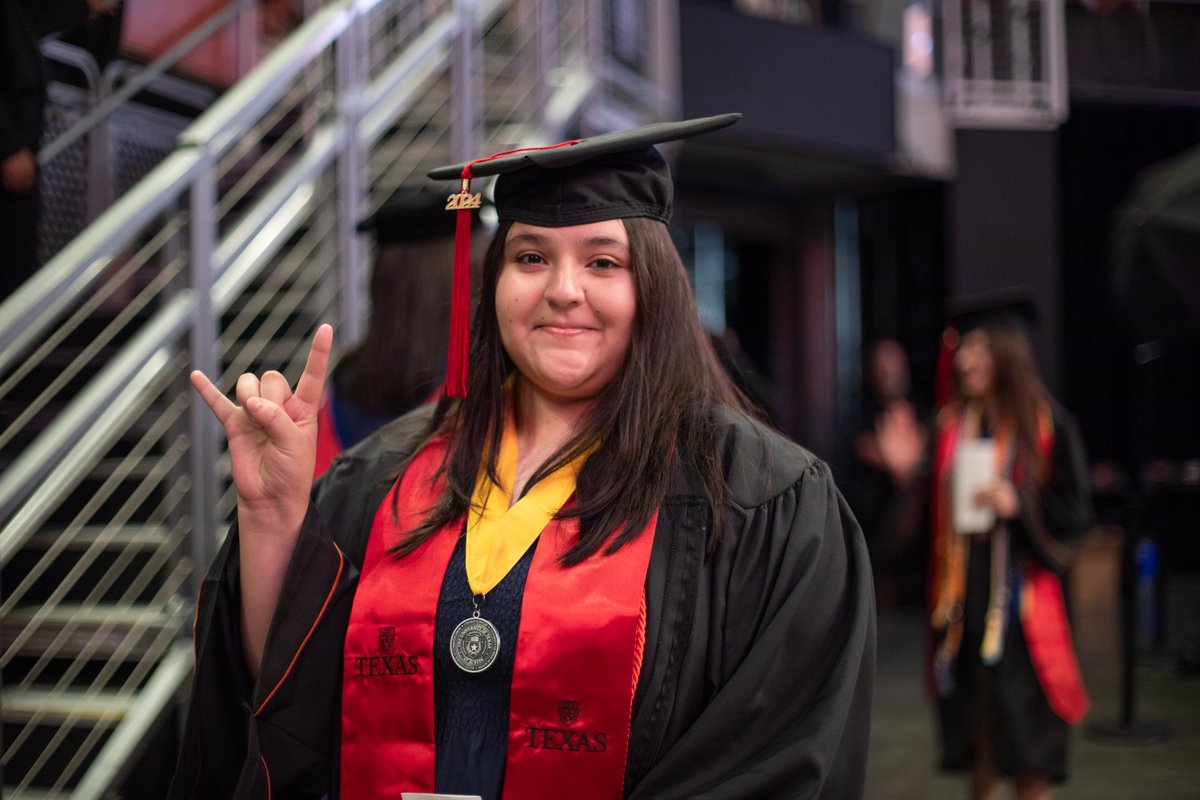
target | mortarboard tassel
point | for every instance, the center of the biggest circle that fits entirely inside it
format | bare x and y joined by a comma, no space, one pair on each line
460,293
463,203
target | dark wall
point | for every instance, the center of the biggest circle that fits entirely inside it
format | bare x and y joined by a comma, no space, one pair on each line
816,90
1127,51
1003,225
1130,412
903,258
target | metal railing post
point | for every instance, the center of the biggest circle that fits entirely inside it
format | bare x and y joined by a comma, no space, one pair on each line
1054,58
593,38
203,345
464,79
547,64
246,30
663,63
101,174
351,178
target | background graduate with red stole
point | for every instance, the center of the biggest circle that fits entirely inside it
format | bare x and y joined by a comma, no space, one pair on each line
1003,665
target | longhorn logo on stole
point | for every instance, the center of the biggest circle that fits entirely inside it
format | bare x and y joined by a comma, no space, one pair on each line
568,711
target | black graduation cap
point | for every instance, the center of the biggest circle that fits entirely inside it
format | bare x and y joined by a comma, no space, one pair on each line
1006,308
617,175
614,175
411,215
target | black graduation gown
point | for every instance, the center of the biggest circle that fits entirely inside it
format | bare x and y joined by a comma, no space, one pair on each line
1025,736
758,665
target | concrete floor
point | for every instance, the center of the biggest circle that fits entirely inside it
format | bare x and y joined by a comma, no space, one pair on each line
903,739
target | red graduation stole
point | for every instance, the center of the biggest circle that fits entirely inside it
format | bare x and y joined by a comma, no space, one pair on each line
573,679
1043,608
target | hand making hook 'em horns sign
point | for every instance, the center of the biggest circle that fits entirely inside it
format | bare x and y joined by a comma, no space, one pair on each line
272,433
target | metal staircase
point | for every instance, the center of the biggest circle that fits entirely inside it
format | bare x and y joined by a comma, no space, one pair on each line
114,491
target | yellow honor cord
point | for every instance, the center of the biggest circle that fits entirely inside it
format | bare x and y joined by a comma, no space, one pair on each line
499,534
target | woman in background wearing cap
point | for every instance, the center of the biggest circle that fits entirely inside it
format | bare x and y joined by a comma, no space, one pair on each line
400,362
593,577
1004,667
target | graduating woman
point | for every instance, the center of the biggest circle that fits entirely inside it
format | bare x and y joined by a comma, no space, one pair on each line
594,576
1004,667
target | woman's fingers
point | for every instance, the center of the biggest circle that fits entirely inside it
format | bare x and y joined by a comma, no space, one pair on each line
273,419
222,407
247,386
264,399
312,382
274,387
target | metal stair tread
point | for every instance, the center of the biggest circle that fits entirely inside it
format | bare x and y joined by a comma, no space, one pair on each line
120,614
100,631
10,793
143,536
59,706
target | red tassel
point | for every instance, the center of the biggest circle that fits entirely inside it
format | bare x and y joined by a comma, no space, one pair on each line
460,306
943,379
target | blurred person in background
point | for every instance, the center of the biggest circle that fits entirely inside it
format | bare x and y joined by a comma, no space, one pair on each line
400,362
23,80
889,452
100,33
1004,668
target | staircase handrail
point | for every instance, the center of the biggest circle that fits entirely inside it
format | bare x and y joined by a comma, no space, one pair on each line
39,303
237,109
70,274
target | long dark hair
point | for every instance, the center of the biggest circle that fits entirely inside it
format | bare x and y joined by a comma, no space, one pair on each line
1019,392
658,412
400,360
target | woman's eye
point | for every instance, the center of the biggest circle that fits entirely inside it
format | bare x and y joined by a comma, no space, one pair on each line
604,263
529,258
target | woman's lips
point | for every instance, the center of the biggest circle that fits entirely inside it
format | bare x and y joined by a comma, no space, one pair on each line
564,330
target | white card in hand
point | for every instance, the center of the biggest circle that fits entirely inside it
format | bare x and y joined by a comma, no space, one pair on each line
974,468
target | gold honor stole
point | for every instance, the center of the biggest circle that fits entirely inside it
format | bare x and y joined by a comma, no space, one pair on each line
576,664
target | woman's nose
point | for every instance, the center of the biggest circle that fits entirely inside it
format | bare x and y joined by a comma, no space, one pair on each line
564,287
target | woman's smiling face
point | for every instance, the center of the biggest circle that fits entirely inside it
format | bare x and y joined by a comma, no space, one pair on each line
566,303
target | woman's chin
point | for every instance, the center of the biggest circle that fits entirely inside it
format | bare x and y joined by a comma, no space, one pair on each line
973,391
567,384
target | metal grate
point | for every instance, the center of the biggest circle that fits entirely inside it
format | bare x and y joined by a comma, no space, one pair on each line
63,181
141,137
1005,62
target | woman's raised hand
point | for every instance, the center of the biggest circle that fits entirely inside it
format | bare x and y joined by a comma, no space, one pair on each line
272,433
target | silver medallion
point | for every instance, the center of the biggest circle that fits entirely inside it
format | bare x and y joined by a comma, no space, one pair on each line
474,644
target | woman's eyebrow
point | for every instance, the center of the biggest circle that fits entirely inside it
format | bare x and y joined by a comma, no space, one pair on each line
527,238
540,240
604,241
